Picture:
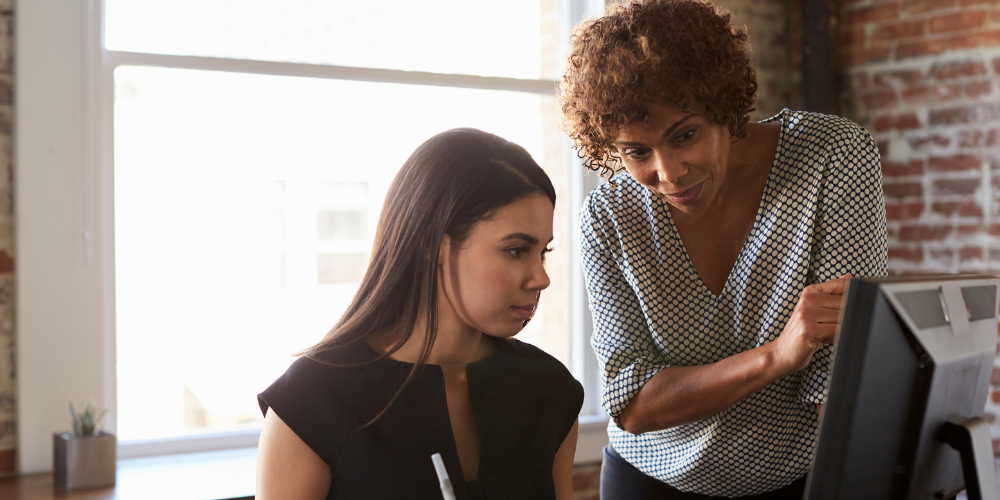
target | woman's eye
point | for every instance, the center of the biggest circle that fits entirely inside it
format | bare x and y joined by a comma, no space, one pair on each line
635,154
517,253
686,136
546,251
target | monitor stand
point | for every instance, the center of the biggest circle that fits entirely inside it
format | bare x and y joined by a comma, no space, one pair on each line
971,437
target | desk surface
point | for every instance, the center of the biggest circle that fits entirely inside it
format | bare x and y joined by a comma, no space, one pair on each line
218,475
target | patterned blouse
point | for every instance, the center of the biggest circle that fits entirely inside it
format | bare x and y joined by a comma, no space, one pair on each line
822,215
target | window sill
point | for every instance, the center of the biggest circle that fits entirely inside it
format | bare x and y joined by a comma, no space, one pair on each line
213,475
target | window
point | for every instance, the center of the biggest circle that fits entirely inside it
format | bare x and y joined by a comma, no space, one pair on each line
241,150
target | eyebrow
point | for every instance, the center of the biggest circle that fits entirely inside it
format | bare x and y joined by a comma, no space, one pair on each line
669,131
521,236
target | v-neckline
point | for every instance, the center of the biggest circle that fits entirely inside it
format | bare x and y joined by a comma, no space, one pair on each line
754,229
453,451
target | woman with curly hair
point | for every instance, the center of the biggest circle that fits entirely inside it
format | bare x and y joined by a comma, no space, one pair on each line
715,256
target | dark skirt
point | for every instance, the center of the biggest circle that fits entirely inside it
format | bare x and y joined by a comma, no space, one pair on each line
621,481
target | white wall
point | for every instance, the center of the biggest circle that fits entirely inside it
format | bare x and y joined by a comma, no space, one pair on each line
61,315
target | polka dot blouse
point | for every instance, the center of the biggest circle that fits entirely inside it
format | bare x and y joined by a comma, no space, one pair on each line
822,215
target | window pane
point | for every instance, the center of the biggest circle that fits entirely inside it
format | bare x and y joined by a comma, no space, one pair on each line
340,267
459,36
239,203
336,225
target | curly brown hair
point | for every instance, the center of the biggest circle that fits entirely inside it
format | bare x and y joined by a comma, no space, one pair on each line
678,51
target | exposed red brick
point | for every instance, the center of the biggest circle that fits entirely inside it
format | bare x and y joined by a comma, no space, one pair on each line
923,233
952,116
943,71
961,208
976,137
896,79
907,121
965,20
861,56
973,40
942,93
880,100
906,254
922,6
970,253
894,31
995,377
851,36
954,163
884,122
972,229
905,211
956,186
922,143
916,95
992,137
900,169
923,48
904,190
873,13
973,138
967,3
978,89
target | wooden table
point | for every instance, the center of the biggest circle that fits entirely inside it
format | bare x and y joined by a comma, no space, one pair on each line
218,475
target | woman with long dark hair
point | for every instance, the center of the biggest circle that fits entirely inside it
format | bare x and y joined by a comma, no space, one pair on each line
422,361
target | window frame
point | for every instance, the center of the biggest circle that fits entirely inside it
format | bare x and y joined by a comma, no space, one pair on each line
63,156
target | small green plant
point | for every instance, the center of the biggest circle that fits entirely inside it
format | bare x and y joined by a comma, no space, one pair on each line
87,421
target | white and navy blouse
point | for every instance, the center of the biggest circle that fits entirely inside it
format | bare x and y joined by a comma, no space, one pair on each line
822,215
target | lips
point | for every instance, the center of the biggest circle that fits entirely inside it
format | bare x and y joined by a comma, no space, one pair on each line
685,197
524,312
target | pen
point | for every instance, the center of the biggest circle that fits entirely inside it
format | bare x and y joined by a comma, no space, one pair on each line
446,491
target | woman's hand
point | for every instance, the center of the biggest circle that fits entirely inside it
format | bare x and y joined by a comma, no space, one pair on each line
812,324
680,394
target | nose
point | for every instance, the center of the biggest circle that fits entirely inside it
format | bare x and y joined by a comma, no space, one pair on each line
669,170
538,279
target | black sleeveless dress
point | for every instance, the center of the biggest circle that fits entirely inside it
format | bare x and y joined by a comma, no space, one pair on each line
525,403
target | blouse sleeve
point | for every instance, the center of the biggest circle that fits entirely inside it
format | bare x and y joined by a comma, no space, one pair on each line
621,339
304,402
851,230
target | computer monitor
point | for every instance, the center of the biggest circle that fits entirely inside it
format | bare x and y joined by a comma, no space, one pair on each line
911,374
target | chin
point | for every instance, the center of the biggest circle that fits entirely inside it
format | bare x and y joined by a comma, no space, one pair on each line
504,332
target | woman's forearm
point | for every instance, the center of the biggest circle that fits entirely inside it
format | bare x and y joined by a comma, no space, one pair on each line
681,394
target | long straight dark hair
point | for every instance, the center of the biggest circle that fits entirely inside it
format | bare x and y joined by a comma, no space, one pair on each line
452,181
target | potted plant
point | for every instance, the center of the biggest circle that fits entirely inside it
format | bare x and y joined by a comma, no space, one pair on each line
84,458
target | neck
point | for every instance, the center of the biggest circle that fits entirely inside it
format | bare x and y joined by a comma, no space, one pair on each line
454,346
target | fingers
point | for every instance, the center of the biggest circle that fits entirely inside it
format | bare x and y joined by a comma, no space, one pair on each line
832,287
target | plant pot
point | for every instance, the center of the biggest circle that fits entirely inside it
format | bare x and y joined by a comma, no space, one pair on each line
83,462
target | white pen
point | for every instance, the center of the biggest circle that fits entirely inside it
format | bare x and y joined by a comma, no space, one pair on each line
446,491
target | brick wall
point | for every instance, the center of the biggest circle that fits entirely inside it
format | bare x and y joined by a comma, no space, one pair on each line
922,77
8,413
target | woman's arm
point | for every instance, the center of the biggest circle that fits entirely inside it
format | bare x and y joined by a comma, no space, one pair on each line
562,467
287,468
681,394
